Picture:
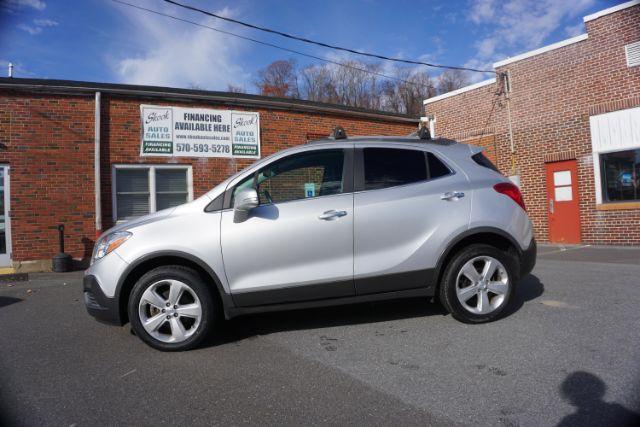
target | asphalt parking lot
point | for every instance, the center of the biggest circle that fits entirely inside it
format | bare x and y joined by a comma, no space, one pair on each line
568,353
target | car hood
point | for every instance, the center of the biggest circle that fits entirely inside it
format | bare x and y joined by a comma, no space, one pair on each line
196,205
146,219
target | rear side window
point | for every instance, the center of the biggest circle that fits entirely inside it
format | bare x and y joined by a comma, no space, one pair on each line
436,167
482,160
389,167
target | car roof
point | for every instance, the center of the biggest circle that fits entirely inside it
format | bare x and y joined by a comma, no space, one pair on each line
444,145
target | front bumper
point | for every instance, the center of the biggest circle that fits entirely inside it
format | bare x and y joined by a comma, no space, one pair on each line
528,259
98,305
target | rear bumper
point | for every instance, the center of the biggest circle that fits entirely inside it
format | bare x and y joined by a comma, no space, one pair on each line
98,305
528,260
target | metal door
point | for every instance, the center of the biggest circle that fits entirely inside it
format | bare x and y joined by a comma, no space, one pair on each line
399,231
563,205
5,220
291,251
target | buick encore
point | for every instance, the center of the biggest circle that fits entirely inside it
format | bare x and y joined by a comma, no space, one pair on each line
336,221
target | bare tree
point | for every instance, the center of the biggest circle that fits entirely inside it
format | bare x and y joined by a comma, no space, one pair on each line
317,84
357,84
235,89
451,80
405,95
279,79
354,85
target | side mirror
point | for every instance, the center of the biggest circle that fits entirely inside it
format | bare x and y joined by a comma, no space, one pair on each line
244,201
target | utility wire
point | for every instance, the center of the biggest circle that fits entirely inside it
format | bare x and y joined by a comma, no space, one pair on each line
364,70
344,49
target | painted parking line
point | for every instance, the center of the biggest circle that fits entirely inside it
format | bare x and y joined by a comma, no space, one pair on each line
563,249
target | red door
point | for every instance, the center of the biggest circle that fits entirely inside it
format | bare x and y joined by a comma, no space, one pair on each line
563,205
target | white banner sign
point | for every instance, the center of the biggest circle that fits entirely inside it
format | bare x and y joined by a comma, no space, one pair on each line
199,132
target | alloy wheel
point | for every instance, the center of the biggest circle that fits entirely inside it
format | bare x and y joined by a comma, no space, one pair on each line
170,311
482,285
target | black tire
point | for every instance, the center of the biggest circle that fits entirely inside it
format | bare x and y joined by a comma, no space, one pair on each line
447,289
199,286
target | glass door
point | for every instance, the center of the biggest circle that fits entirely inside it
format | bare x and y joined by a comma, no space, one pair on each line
5,223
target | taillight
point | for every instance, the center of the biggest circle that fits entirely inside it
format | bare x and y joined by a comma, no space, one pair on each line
511,190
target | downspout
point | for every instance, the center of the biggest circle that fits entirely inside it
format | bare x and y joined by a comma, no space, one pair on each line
96,166
512,149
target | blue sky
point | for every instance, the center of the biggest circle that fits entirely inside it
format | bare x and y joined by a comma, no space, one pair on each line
100,40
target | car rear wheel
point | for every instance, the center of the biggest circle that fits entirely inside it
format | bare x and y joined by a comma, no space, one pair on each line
478,283
171,308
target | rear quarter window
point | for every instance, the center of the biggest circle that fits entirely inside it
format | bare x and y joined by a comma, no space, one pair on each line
482,160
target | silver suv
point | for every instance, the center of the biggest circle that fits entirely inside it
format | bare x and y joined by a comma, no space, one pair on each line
337,221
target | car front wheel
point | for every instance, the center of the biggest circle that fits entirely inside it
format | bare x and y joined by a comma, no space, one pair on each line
478,284
171,308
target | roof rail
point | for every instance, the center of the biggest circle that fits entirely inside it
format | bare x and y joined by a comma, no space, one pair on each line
422,133
338,133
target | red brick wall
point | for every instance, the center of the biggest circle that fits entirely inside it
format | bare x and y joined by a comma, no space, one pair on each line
553,95
49,148
49,143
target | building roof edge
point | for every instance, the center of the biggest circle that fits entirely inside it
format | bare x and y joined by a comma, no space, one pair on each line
541,50
243,99
459,91
610,10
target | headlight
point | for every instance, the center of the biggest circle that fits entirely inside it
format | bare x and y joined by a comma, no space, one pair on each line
109,242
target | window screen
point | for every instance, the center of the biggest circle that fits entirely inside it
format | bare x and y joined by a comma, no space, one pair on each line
137,194
171,188
389,167
620,175
132,193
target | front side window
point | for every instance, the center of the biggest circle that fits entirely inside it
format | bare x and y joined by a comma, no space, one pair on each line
145,189
299,176
389,167
621,176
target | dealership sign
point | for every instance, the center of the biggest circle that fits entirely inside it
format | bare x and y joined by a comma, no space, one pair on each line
199,132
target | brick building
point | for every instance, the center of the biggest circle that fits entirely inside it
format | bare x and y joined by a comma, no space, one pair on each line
564,122
49,131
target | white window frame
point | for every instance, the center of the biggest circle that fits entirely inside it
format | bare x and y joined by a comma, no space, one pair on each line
152,184
610,133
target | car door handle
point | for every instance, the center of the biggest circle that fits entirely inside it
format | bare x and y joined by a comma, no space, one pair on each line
452,195
332,214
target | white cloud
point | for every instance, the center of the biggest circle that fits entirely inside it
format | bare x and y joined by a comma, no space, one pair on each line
482,10
30,29
45,22
34,4
179,54
38,25
574,30
515,26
